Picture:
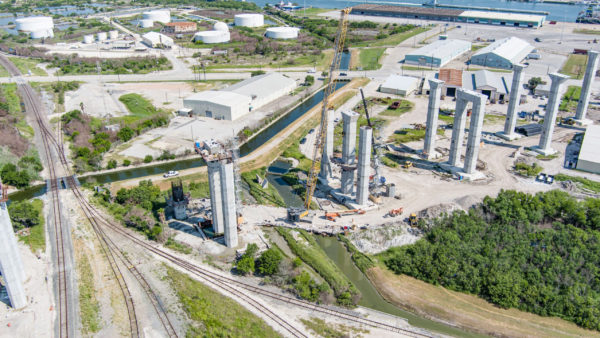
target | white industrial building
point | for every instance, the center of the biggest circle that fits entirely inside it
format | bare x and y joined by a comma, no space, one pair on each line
494,85
235,101
438,53
502,53
157,40
283,33
38,27
589,155
219,105
162,15
249,20
399,85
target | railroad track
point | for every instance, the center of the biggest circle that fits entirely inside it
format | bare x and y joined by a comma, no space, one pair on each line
219,281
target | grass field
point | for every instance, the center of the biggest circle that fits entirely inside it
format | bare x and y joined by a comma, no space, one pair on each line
409,135
583,182
37,234
213,314
570,99
266,196
467,311
368,59
395,39
26,65
88,304
587,31
575,66
138,105
405,106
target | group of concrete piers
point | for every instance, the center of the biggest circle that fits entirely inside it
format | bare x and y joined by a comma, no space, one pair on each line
11,265
478,101
349,163
221,181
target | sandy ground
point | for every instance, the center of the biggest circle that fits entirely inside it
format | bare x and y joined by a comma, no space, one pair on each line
468,311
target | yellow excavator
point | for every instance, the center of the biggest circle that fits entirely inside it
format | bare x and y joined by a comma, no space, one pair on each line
296,214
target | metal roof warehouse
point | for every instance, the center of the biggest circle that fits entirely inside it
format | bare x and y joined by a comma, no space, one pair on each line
438,53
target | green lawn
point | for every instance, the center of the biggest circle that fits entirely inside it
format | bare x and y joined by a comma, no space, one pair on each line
405,106
409,135
88,304
12,98
570,99
575,66
394,39
213,314
368,59
4,72
477,47
138,105
37,235
25,65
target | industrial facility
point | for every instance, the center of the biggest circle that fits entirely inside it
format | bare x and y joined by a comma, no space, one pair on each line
399,85
162,16
438,53
589,155
503,53
157,40
453,15
38,27
494,85
249,20
235,101
219,34
180,27
282,33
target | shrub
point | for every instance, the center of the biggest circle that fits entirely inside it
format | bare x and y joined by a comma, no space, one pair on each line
148,159
268,262
126,162
111,164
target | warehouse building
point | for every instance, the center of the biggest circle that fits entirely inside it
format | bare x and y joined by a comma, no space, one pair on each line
589,155
157,40
399,85
453,80
235,101
180,27
438,53
502,53
453,15
219,105
494,85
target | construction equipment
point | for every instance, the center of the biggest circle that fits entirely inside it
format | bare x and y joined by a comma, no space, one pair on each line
331,216
407,165
295,214
413,220
396,212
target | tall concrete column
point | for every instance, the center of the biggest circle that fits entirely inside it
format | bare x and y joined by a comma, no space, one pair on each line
475,129
433,110
349,150
364,161
551,110
11,266
458,130
590,74
513,103
326,173
214,182
228,201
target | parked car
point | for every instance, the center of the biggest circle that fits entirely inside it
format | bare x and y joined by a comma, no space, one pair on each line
541,177
343,74
549,179
171,173
537,40
311,131
302,141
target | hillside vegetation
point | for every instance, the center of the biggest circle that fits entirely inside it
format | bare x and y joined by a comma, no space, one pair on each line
538,253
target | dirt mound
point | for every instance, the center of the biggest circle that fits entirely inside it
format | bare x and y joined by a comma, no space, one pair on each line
466,202
438,210
376,240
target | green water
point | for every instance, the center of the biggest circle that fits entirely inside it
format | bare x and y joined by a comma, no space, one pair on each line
337,252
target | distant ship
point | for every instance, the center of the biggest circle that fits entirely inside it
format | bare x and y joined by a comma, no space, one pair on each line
287,7
590,15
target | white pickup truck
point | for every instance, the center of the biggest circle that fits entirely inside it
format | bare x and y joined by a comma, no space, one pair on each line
171,173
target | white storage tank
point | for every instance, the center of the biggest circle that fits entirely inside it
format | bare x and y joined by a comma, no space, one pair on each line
88,39
163,15
221,26
249,20
113,35
212,36
282,32
146,23
102,36
37,26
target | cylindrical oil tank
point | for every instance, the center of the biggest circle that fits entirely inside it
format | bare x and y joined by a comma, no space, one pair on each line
212,36
101,36
88,38
221,26
282,32
37,26
162,15
249,20
113,35
146,23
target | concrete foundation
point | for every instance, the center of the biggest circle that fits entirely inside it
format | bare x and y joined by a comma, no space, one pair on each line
216,206
544,146
228,202
11,265
586,88
513,103
364,161
433,110
326,172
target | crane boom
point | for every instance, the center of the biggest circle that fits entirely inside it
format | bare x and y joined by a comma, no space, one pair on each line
340,37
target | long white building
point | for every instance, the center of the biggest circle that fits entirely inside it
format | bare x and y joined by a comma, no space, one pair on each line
438,53
502,53
235,101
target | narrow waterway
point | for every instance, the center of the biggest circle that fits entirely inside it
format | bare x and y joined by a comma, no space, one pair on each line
337,252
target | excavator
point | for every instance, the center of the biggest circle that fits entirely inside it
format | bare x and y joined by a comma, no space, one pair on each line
296,214
396,212
331,216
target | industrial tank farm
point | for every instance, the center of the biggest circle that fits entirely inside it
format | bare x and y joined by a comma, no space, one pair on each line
163,16
220,34
38,26
146,23
249,20
284,33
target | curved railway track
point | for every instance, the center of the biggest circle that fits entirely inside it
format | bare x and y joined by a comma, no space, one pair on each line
99,220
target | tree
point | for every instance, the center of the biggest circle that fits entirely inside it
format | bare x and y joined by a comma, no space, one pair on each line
309,80
268,262
23,215
534,82
111,164
148,159
126,162
245,265
125,134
